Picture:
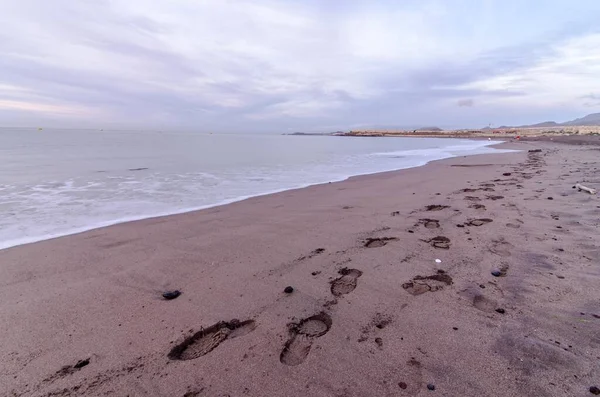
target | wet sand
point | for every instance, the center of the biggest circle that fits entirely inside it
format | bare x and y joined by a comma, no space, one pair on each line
512,307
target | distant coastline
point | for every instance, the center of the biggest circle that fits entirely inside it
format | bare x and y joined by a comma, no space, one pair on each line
316,133
588,125
510,132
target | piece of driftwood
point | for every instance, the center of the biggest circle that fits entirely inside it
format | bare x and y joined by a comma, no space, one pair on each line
580,187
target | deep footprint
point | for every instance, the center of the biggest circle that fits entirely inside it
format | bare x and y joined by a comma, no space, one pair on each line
346,283
435,207
478,222
206,340
296,349
477,206
378,242
429,223
419,285
439,242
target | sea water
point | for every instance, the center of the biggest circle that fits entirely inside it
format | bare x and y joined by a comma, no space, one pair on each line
59,182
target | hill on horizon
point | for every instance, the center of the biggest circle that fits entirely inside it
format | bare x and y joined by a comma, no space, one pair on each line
592,119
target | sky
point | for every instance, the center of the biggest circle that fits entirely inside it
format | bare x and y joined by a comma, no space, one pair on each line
305,65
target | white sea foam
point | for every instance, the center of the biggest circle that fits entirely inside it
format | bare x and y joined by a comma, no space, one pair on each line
83,199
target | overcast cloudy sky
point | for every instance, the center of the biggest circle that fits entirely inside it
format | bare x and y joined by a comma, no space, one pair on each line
263,65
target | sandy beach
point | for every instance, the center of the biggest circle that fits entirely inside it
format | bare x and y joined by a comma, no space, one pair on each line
473,276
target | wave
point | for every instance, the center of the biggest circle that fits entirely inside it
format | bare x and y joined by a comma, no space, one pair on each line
57,209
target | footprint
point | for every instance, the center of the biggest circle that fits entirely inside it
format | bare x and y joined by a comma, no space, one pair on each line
378,242
439,242
346,283
494,198
488,185
296,349
472,198
312,254
478,300
429,223
477,206
419,284
466,190
501,247
411,378
435,207
484,304
68,370
513,225
478,222
206,340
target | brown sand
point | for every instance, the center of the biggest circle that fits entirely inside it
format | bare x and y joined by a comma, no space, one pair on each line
83,315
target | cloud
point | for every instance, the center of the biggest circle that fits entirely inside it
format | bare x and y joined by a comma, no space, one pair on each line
556,78
266,65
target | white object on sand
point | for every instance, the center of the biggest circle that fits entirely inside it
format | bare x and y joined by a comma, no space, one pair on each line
438,261
585,188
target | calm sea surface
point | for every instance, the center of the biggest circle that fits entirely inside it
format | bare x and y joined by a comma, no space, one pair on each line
59,182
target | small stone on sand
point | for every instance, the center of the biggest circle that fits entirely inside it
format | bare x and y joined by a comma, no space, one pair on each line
496,273
595,390
288,290
501,311
431,386
402,385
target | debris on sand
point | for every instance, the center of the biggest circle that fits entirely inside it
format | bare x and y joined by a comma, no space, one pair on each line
169,295
580,187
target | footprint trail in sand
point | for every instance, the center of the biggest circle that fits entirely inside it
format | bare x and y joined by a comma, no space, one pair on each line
346,283
206,340
302,336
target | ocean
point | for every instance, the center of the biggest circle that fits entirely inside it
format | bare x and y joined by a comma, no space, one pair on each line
59,182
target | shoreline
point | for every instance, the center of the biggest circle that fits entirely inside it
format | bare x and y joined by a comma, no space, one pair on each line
474,274
32,240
